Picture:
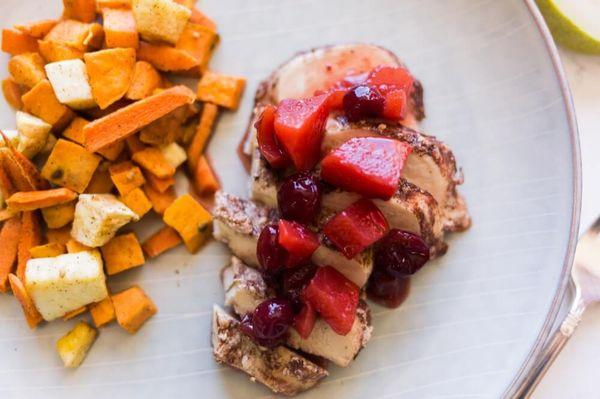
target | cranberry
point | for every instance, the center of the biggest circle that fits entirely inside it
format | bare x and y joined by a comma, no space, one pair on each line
386,289
272,318
401,253
247,327
270,254
294,281
363,102
299,198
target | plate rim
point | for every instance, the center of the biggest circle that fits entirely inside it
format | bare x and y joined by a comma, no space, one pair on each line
526,369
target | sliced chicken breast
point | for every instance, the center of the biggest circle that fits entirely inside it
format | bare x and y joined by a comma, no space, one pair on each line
238,223
280,369
245,289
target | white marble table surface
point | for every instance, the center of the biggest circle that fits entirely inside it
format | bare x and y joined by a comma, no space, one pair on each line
576,372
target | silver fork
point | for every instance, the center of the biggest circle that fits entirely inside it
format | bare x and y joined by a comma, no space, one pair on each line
585,278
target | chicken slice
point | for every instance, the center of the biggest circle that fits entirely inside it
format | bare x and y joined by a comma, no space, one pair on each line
280,369
245,289
238,223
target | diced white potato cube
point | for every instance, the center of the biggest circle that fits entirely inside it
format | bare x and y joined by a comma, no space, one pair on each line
12,136
64,283
33,134
160,20
174,154
74,346
70,82
98,217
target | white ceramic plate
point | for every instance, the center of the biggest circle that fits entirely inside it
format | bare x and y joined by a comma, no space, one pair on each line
494,92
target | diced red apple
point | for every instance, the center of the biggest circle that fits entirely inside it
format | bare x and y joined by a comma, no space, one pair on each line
267,142
304,322
299,128
370,166
356,228
387,78
334,297
298,241
394,105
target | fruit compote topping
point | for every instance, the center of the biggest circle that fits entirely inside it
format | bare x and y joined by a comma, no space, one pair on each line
362,102
268,144
398,255
370,166
299,198
298,241
268,325
356,228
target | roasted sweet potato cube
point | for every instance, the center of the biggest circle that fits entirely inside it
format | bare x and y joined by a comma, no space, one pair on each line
15,42
101,182
152,160
205,180
59,215
110,72
77,35
121,253
49,250
203,132
54,51
102,312
145,80
74,131
199,18
12,93
81,10
120,29
137,201
165,130
190,219
161,241
126,177
160,200
160,185
42,102
74,246
59,236
37,29
132,308
220,89
167,58
27,69
9,242
199,41
70,165
160,20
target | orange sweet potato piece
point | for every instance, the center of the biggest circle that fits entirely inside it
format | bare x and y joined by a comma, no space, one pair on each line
31,314
70,165
119,28
75,246
101,4
22,172
31,236
158,184
205,181
49,250
152,160
60,236
165,130
127,120
121,253
9,241
12,93
132,308
203,132
74,313
191,220
78,35
220,89
27,69
199,18
37,29
101,182
32,200
54,51
82,10
134,144
145,80
137,201
160,201
59,215
199,41
16,42
126,177
42,102
110,72
161,241
6,187
102,312
166,58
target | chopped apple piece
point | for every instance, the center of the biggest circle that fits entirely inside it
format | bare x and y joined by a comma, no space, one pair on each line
74,346
70,82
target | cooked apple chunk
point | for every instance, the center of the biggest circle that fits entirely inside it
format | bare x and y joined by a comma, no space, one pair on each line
64,283
70,82
74,346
